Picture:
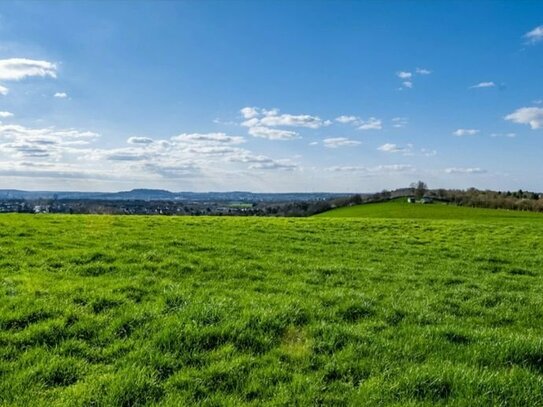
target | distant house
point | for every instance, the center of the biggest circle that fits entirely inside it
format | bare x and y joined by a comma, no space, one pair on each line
41,209
411,199
426,200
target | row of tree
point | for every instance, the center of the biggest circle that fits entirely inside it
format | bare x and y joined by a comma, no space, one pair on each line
512,200
519,200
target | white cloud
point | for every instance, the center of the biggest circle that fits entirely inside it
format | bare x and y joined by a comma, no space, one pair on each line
253,122
404,75
209,138
60,95
212,150
483,85
18,132
20,142
284,165
336,142
465,171
399,122
196,158
535,35
271,118
465,132
346,119
272,134
5,115
126,155
538,101
374,170
3,90
62,171
249,112
423,71
262,162
371,124
393,168
139,140
407,77
171,170
224,122
394,148
19,68
262,123
303,120
532,116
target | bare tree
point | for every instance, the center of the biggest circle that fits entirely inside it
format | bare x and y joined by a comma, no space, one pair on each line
419,189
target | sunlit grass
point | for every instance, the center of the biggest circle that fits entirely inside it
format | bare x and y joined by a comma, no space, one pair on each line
105,310
400,209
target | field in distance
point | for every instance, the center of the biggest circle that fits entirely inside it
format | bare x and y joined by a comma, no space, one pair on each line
401,209
127,310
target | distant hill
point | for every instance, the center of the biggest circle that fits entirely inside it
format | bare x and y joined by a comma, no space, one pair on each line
401,209
163,195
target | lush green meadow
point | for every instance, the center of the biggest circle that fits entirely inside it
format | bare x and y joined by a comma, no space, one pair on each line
400,209
119,310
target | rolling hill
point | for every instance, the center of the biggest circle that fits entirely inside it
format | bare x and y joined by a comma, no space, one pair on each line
401,209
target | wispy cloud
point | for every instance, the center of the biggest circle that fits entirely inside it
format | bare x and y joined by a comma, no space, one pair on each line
347,119
5,115
423,71
262,162
535,35
373,170
399,122
21,142
60,95
249,112
532,116
139,140
465,171
465,132
272,118
209,138
264,122
404,75
408,76
370,124
336,142
272,134
302,120
14,69
394,148
57,153
483,85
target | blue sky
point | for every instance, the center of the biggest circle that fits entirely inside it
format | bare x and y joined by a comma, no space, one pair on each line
271,96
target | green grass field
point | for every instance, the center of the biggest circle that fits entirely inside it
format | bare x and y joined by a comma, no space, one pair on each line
400,209
173,311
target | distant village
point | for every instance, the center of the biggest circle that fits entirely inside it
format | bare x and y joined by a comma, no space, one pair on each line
127,207
266,204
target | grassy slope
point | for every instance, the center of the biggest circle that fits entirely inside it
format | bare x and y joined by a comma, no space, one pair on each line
400,209
104,310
